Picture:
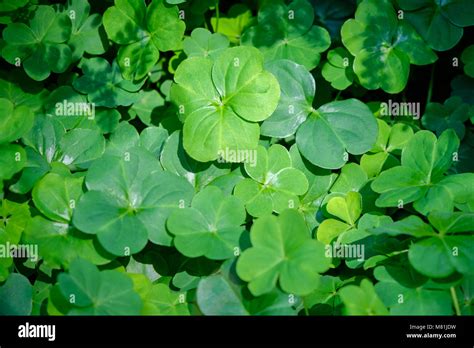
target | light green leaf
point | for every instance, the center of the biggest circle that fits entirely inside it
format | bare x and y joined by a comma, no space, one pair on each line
91,292
220,110
212,227
282,250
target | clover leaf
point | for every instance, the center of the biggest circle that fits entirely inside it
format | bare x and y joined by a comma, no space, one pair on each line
383,46
338,68
410,299
282,250
319,180
130,209
390,141
220,112
56,196
89,291
420,178
16,296
437,255
440,23
292,33
451,115
86,32
21,91
159,299
142,33
104,85
211,227
12,160
13,219
467,58
340,127
273,184
175,160
224,293
14,120
347,209
238,19
362,299
297,87
40,47
202,43
352,126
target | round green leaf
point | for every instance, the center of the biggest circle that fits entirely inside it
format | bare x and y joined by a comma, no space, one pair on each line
335,129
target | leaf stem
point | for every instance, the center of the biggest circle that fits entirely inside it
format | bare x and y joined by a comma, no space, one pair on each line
338,95
455,300
306,311
217,16
430,86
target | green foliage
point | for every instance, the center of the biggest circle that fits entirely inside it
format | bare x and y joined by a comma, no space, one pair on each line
286,32
142,33
383,46
220,113
202,157
273,184
440,23
282,250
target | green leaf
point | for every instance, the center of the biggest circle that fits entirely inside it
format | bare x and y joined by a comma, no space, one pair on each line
15,121
467,58
341,127
220,111
420,179
451,115
91,292
104,84
237,20
161,300
440,257
221,294
129,200
211,227
273,184
362,300
55,196
16,296
347,209
292,35
439,22
86,32
297,93
403,300
175,160
338,68
142,32
80,146
59,243
436,255
202,43
40,47
389,143
412,226
282,250
383,46
13,219
12,160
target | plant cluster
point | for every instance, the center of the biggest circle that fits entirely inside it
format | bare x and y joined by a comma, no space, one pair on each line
267,157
